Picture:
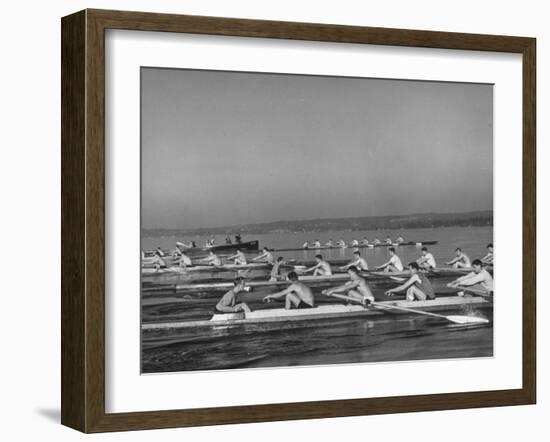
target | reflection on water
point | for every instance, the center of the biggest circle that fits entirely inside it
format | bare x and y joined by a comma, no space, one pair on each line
384,338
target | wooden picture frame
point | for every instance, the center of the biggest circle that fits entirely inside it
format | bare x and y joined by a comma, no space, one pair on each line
83,220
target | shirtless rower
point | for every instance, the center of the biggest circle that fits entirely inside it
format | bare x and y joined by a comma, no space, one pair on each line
329,243
354,243
158,261
184,260
400,239
341,244
358,262
317,244
388,240
365,241
276,274
427,260
488,259
418,287
376,241
479,279
228,302
265,256
357,288
460,261
393,265
322,268
212,259
297,295
238,258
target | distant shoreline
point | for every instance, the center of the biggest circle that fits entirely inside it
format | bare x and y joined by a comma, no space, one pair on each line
414,221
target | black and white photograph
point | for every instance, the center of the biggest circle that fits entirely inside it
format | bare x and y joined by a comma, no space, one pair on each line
303,220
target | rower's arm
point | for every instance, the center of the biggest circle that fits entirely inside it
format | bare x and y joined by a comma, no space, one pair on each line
281,293
452,261
405,285
421,260
472,280
344,287
386,264
311,269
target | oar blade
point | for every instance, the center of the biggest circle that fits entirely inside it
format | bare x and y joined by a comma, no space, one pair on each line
467,319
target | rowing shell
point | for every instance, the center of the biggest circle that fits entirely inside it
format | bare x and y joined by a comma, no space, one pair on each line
325,312
360,246
206,268
313,279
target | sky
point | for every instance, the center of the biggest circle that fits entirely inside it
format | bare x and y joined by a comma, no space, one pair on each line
229,148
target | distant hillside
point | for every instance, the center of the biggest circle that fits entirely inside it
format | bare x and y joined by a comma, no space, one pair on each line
415,221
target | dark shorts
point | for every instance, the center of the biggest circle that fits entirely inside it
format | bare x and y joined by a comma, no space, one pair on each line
302,304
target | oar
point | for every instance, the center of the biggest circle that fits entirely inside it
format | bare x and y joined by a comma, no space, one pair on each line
473,290
454,318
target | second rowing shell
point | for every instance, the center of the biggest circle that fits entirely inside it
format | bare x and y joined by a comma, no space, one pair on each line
313,279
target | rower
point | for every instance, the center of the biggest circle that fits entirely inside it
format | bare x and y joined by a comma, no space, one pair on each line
341,244
479,279
305,245
356,289
388,240
228,302
297,295
276,270
322,268
365,241
427,260
461,260
317,244
376,241
184,260
488,259
358,262
193,244
228,240
212,259
393,265
239,258
329,243
238,238
417,288
158,260
400,239
266,256
354,243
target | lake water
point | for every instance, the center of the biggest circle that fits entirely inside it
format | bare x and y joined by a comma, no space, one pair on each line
336,341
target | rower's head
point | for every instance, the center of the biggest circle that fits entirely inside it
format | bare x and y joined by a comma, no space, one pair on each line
357,253
318,258
490,247
458,251
391,250
265,249
413,267
238,284
477,265
292,276
424,250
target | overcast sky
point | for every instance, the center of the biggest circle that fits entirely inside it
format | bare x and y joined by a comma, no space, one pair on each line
226,148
